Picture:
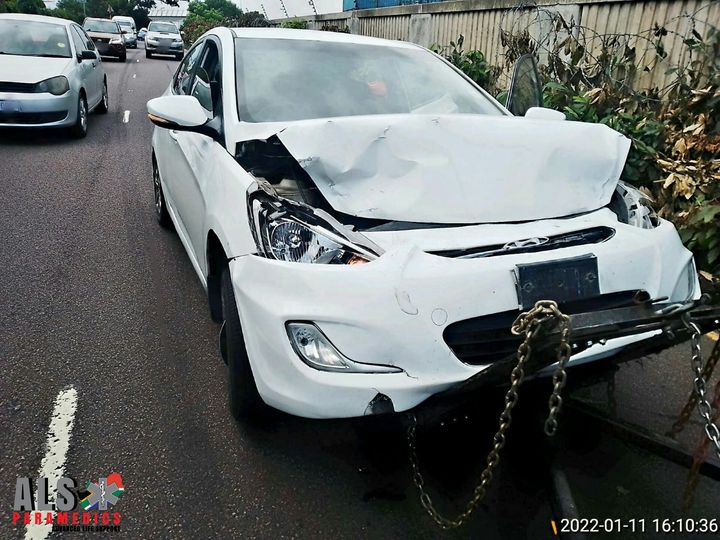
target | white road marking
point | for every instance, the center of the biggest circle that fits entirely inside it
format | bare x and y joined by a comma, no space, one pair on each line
134,75
137,60
52,465
126,117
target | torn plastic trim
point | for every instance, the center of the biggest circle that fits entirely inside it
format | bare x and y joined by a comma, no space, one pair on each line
265,205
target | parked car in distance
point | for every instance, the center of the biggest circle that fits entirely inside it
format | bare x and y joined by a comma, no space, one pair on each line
130,34
50,74
141,34
163,38
107,36
368,222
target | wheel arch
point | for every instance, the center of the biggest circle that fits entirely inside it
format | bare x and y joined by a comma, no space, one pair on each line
216,261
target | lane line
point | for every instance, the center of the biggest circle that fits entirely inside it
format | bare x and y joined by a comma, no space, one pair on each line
126,117
134,75
52,465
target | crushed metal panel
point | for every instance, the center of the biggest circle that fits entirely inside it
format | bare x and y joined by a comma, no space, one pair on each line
459,168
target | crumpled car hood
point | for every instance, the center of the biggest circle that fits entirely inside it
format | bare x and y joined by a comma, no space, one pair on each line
458,168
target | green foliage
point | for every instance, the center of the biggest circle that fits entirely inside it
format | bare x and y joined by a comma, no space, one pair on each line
298,24
472,63
208,14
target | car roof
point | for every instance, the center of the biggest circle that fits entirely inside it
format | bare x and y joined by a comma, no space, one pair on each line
37,18
317,35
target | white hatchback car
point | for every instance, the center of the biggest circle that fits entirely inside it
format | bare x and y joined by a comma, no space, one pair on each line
368,222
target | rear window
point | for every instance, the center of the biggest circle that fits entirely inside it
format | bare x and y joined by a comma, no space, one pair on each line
169,28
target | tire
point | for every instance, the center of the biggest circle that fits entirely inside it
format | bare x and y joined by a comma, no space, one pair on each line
123,57
148,54
161,211
80,128
179,56
104,104
245,401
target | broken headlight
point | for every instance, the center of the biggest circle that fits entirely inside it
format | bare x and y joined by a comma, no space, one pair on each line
293,232
633,207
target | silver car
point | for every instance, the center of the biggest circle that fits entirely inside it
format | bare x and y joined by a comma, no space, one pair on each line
50,74
164,38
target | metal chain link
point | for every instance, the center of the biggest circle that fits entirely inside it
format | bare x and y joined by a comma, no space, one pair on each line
529,325
703,404
689,407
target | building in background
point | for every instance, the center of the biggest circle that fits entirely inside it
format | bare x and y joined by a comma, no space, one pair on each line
50,4
273,9
165,13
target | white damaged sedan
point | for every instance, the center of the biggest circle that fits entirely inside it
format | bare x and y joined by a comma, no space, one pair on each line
368,222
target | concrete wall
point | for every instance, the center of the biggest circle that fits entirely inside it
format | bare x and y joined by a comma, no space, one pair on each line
482,22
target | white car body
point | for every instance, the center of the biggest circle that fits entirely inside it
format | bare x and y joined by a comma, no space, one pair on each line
21,105
541,179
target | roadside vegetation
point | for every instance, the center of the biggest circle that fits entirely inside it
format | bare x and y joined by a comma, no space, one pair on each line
204,15
675,129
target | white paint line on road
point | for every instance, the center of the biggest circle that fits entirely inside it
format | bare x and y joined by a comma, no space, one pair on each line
52,465
134,75
137,60
126,117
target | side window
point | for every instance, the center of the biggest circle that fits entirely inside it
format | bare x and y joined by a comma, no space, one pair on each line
77,40
181,84
206,84
85,43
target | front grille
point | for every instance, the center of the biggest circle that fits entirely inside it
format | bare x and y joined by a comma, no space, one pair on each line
595,235
20,88
31,118
487,339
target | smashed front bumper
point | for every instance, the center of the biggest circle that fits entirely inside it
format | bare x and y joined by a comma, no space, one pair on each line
400,309
667,324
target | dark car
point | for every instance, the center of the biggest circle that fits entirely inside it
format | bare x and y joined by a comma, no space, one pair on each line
107,36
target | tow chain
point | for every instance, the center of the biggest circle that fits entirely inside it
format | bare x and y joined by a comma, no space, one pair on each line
544,315
703,404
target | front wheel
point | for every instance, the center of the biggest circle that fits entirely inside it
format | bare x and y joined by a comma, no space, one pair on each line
79,129
123,57
245,401
147,54
161,212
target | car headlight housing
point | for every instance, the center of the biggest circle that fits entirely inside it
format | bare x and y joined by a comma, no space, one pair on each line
151,41
633,207
292,232
57,86
115,41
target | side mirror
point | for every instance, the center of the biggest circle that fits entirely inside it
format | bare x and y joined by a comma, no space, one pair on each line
525,89
181,113
123,31
541,113
86,55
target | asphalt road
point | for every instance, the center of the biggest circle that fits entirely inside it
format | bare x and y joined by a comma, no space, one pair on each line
95,296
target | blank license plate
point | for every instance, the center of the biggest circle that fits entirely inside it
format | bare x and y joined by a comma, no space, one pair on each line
7,105
563,280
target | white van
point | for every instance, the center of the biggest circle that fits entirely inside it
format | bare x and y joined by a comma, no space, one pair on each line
127,24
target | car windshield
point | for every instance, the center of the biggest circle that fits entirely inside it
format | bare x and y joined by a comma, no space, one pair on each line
163,27
125,24
107,27
32,38
320,79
